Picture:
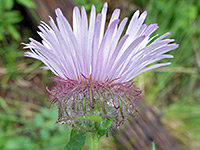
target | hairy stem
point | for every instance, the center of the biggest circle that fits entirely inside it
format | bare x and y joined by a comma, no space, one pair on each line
92,140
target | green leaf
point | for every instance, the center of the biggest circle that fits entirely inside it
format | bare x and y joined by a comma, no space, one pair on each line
1,33
45,134
8,4
39,121
13,32
103,126
10,17
21,142
1,6
153,146
77,140
27,3
75,132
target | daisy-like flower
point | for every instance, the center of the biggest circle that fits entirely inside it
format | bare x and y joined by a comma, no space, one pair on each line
93,67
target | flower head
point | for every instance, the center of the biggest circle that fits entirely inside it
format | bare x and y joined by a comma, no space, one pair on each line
93,67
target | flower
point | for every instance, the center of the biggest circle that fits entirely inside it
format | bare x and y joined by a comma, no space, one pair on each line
93,68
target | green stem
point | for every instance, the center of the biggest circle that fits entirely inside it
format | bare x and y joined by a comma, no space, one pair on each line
92,140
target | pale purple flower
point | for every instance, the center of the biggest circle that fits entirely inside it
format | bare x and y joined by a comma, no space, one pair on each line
94,65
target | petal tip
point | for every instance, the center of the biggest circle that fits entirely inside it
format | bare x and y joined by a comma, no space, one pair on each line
105,4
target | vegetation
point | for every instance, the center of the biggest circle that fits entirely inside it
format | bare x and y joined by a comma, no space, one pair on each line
176,88
25,121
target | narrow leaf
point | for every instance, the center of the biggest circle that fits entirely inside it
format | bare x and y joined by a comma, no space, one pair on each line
77,140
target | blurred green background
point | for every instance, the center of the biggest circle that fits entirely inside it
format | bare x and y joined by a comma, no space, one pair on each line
173,91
